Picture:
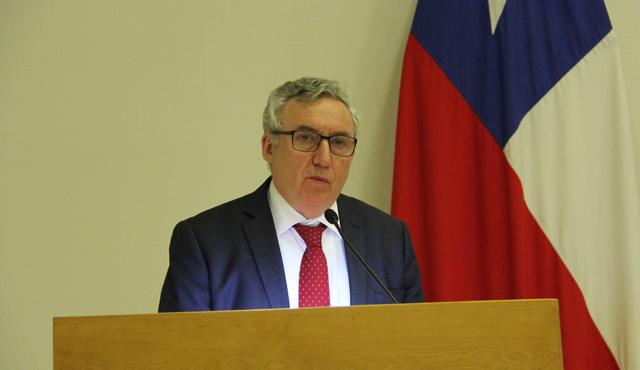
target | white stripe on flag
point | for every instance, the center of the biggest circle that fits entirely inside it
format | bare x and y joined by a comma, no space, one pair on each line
575,157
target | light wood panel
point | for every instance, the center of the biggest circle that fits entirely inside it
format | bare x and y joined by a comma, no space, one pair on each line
520,334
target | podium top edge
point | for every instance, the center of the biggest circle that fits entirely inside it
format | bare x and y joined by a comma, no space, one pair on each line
548,301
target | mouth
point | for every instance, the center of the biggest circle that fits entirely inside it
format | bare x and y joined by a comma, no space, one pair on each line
319,179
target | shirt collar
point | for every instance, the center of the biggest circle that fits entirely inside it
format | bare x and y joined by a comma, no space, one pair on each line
284,216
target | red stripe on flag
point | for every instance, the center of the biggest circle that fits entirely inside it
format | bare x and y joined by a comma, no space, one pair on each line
473,233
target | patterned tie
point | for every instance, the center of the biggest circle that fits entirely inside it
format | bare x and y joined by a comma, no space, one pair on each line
314,278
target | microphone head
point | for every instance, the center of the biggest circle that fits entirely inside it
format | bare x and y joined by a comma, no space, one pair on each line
331,216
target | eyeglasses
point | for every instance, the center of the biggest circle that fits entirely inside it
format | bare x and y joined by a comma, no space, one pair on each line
307,141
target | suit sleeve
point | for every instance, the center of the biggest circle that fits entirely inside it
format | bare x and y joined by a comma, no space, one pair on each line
412,280
186,286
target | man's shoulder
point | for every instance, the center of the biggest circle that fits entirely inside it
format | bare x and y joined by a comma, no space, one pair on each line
350,206
249,205
222,210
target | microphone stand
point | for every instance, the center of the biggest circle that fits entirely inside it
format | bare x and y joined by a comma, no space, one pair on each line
332,217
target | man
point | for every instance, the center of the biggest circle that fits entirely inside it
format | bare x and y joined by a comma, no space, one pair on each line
274,248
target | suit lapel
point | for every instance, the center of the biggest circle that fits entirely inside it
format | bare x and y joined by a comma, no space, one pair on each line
354,232
263,241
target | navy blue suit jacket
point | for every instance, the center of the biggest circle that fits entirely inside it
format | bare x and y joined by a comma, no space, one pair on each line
228,257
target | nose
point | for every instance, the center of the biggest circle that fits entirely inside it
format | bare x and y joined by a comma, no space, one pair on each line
322,155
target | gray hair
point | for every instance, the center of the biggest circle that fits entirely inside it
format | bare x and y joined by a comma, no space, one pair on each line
306,90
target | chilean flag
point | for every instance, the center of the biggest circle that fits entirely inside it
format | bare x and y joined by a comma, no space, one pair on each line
515,167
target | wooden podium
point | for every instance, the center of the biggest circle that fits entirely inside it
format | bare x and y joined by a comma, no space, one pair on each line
518,334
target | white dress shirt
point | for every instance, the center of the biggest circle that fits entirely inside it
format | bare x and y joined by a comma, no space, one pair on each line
292,248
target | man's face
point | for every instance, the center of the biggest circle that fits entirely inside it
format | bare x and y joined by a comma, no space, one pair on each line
309,181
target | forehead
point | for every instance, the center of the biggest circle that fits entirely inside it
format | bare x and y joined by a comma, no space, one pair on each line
326,115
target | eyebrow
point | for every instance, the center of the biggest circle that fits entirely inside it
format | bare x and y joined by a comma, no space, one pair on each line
311,129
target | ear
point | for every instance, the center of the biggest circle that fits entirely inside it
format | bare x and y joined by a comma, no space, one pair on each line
267,147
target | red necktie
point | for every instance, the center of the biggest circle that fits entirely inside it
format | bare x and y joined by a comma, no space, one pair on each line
313,290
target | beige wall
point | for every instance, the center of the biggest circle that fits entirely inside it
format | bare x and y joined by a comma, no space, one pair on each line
119,118
625,14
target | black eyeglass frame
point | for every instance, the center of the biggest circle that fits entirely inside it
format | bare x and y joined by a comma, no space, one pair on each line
322,137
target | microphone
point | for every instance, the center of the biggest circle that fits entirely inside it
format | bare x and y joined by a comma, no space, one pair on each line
332,217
